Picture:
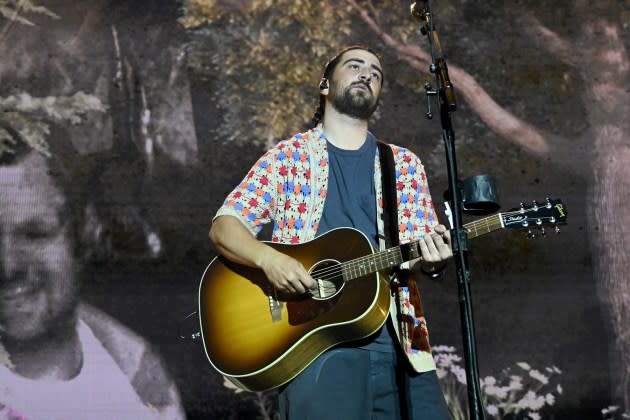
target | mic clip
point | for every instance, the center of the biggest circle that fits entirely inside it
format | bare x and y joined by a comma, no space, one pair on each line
429,92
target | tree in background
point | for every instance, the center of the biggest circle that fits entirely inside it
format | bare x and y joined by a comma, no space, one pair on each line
279,70
27,116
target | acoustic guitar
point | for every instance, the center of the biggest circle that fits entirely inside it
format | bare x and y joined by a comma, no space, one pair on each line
259,339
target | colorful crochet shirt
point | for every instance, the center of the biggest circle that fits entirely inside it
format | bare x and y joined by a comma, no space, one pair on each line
287,187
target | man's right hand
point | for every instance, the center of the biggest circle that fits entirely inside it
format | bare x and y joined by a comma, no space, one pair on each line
286,274
236,243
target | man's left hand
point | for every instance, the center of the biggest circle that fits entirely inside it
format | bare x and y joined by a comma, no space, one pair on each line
436,247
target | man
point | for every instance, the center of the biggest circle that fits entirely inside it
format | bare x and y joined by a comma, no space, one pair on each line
60,358
326,178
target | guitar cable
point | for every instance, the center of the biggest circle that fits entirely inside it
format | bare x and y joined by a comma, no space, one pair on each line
192,337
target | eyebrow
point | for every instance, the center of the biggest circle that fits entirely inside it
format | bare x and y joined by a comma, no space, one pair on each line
41,221
359,60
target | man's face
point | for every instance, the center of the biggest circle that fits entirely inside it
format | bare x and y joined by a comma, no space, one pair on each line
38,286
355,84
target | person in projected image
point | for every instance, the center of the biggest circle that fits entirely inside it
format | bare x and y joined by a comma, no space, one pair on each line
61,358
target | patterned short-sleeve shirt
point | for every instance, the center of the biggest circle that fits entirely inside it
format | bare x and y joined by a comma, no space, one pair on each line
287,187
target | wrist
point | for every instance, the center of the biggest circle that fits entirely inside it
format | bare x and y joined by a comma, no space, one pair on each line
432,270
263,256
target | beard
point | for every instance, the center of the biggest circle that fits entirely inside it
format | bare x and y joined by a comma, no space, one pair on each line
355,103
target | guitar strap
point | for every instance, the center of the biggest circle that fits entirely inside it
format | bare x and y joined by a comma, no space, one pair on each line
388,182
390,220
408,315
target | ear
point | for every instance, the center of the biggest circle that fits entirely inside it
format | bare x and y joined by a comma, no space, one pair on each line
323,86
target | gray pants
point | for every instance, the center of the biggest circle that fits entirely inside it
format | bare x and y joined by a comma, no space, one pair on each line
360,384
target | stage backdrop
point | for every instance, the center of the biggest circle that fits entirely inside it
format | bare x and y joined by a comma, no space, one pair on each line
172,102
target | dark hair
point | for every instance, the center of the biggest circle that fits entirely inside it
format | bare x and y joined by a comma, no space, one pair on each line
329,69
64,169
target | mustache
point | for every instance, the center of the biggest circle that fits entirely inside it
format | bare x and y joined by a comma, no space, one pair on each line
367,85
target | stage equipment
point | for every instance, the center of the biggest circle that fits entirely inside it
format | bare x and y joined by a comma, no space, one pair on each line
445,93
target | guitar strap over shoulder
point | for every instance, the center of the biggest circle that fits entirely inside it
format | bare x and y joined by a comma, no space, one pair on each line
388,182
406,310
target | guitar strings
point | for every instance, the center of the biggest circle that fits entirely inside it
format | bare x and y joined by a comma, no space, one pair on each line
331,272
355,267
383,256
379,257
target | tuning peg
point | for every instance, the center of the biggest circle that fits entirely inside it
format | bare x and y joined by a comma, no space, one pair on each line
534,205
531,234
548,200
542,231
557,229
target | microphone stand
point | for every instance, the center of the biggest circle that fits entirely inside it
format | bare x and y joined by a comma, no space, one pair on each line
447,104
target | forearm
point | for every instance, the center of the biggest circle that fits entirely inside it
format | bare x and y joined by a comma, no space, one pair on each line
232,240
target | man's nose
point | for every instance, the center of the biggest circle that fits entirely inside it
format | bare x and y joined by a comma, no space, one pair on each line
365,76
8,258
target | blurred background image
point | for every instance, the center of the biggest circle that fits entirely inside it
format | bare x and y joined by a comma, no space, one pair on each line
124,125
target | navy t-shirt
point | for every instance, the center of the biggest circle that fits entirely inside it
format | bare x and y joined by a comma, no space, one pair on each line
351,197
351,202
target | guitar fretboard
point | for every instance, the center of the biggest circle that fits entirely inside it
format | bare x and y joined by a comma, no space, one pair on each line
378,261
393,257
483,226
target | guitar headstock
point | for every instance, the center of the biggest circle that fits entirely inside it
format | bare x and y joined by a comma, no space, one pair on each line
536,216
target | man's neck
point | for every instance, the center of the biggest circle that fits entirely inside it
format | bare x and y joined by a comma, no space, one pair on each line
56,356
343,131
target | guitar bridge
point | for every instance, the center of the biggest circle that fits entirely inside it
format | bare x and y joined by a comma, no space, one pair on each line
275,307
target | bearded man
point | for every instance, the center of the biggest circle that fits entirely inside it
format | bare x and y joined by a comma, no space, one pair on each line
327,178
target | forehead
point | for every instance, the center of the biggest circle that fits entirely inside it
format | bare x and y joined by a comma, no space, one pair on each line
361,55
27,191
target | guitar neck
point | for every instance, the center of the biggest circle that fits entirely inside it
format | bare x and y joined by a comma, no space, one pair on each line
484,225
395,256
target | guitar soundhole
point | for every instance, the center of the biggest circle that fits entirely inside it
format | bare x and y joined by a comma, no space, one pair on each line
329,278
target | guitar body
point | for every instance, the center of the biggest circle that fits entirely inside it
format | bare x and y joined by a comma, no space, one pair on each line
259,340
